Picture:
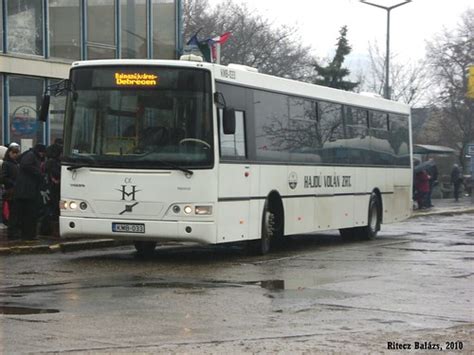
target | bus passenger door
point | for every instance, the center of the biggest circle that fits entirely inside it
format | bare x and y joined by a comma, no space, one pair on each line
234,183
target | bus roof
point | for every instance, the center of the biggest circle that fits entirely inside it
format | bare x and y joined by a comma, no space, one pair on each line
249,77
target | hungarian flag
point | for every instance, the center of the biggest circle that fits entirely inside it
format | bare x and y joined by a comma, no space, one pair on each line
218,40
193,41
222,38
208,46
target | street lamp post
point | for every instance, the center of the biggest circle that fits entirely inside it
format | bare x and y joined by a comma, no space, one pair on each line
387,56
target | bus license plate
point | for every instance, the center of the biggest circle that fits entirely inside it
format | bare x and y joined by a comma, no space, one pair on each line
128,227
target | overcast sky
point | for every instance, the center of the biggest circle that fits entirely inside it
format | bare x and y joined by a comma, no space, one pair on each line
319,22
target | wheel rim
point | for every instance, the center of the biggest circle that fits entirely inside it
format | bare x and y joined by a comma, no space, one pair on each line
267,230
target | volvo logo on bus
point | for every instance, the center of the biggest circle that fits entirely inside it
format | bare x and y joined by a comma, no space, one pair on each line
127,194
292,180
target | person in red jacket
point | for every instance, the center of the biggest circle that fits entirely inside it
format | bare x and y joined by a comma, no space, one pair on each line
422,186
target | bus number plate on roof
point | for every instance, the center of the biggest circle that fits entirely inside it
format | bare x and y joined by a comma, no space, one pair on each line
128,227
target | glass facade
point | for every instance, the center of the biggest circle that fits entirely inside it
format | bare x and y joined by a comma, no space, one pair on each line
101,29
1,27
56,115
164,29
64,33
25,26
91,29
134,25
75,30
24,100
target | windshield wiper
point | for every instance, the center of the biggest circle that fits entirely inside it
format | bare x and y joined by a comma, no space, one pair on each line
168,164
76,166
171,165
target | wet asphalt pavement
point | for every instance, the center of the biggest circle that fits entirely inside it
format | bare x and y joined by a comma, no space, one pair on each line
413,286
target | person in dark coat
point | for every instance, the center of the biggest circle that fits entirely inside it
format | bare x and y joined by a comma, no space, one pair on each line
456,180
50,222
27,190
433,173
9,175
422,187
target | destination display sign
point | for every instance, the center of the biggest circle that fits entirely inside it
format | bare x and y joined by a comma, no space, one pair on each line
135,79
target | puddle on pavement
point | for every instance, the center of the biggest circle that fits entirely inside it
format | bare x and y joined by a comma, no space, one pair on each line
273,285
12,310
288,284
186,285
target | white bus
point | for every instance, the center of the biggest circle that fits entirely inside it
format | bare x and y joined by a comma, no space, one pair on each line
192,151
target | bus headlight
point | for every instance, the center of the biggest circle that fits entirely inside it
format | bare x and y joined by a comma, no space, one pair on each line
73,205
203,210
188,209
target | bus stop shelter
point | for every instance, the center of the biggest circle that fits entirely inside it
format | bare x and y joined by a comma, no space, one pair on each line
426,149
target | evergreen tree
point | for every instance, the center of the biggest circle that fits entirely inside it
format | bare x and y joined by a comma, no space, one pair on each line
333,74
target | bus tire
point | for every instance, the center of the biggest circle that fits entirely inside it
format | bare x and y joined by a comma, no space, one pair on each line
272,226
374,220
144,249
265,241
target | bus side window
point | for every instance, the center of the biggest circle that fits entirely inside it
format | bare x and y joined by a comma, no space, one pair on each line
233,145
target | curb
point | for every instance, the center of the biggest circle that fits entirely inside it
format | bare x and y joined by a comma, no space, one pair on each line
65,247
22,249
442,213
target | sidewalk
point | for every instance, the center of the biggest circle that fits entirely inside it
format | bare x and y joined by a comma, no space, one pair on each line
46,244
447,206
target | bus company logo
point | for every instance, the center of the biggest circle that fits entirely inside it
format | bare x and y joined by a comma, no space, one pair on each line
128,194
292,180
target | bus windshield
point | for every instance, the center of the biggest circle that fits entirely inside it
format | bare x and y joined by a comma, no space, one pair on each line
139,117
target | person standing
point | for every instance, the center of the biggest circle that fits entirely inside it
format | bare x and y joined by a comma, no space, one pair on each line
50,222
422,187
456,180
9,175
433,173
27,190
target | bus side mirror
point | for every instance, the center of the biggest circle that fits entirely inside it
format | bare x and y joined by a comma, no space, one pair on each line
219,100
43,116
228,122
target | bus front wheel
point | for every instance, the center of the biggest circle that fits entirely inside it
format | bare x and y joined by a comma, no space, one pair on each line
272,226
144,249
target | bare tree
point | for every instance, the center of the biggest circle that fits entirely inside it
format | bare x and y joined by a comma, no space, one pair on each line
255,41
449,56
410,82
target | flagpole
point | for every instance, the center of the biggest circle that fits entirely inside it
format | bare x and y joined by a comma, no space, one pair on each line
218,53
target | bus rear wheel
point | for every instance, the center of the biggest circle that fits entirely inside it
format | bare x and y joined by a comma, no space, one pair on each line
374,220
144,249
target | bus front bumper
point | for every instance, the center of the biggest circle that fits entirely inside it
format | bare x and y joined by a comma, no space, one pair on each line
201,232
